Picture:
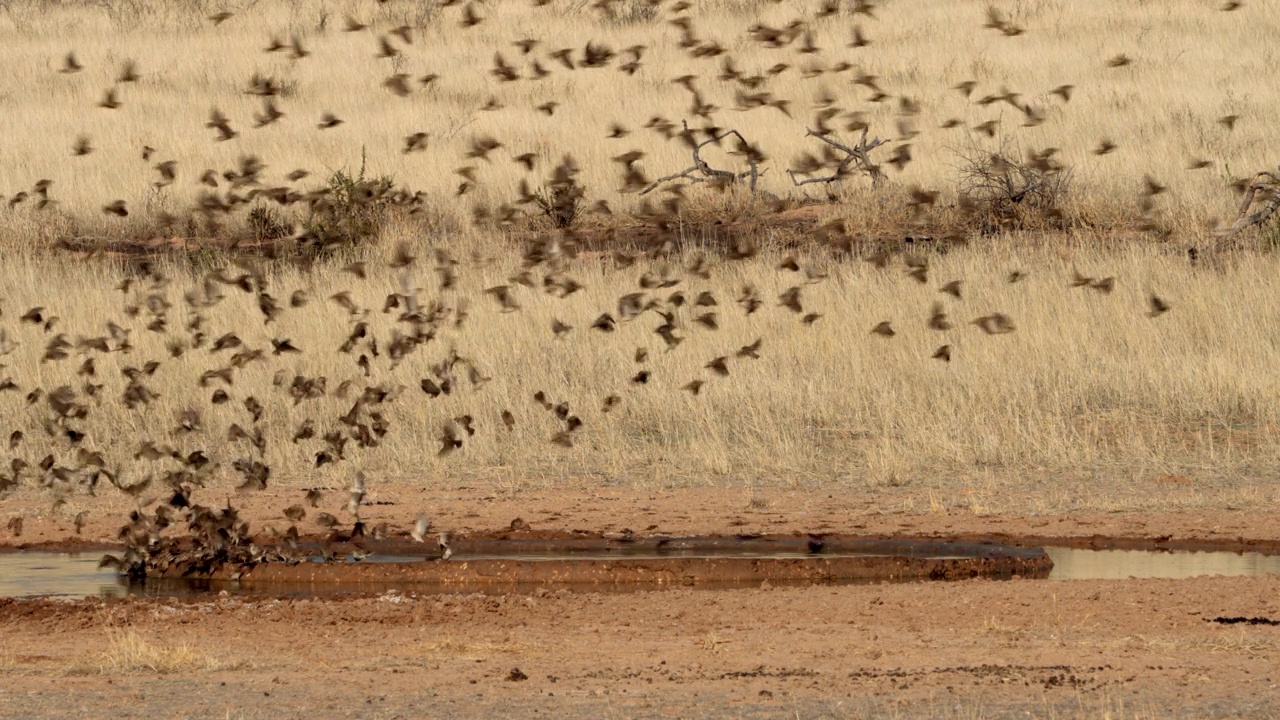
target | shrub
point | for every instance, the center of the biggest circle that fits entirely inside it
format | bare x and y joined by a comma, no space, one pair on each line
353,210
1009,189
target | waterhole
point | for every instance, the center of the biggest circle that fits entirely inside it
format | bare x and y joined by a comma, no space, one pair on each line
497,566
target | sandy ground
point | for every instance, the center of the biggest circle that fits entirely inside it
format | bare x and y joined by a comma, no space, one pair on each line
684,511
1021,648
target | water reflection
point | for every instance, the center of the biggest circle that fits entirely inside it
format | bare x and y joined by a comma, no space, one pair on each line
30,574
1073,564
59,575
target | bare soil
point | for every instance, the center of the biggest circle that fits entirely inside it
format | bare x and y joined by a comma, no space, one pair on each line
1134,648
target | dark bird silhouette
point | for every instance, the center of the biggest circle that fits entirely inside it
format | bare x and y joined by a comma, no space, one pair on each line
109,100
884,329
128,72
70,64
1157,305
219,122
719,366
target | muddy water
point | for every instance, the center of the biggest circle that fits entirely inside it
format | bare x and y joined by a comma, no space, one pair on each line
76,575
61,575
1075,564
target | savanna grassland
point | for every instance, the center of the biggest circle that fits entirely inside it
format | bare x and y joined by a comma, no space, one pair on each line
361,236
278,271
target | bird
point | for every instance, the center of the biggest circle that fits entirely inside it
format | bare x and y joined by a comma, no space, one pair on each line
109,100
357,494
943,353
329,120
1157,305
219,122
719,366
398,84
938,319
420,529
884,328
70,64
1151,187
128,72
859,39
502,293
995,324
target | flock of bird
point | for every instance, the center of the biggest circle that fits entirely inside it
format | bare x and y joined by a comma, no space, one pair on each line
170,475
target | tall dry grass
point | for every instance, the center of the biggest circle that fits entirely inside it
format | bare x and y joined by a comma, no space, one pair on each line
1085,401
1191,66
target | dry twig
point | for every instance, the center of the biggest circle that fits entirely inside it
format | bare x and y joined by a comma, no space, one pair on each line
857,156
701,171
1265,190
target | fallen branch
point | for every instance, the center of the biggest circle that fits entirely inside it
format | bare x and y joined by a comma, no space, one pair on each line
701,171
1266,183
856,155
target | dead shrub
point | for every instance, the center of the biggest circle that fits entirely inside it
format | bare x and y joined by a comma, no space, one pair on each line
1013,190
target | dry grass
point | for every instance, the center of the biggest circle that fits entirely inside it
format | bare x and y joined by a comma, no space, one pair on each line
1078,408
464,649
1191,66
129,652
1235,642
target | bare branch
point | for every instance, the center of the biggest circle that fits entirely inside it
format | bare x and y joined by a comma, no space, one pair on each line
708,173
1266,183
856,156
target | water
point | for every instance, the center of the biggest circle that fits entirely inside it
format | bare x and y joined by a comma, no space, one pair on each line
1075,564
29,574
58,575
